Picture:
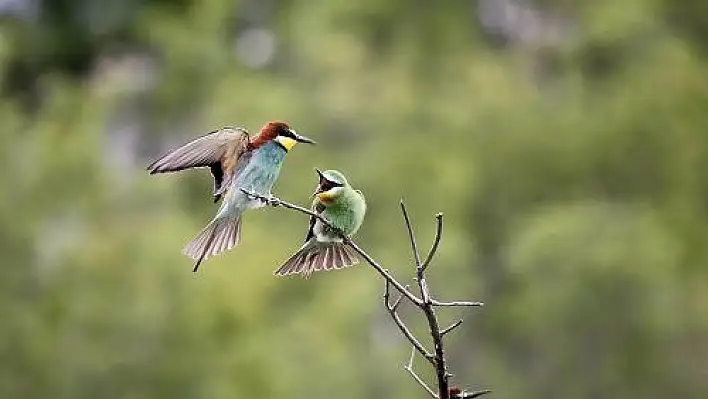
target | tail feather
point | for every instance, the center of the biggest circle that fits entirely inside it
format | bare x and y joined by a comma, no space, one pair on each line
299,264
218,236
338,259
318,261
327,263
315,256
350,256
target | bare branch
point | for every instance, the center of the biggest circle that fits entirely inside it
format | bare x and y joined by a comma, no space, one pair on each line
452,327
440,364
425,303
475,394
409,368
398,302
455,303
411,235
429,311
436,242
402,326
385,274
387,295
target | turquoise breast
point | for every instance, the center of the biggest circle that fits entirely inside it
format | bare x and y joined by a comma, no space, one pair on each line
263,168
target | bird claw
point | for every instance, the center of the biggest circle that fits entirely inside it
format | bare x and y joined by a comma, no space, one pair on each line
271,200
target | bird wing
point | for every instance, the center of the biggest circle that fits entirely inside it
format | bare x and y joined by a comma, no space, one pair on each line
317,207
361,195
222,151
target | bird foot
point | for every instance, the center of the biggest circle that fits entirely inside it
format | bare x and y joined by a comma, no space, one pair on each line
271,200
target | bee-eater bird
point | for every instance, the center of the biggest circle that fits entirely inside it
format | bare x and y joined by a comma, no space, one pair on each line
236,161
324,249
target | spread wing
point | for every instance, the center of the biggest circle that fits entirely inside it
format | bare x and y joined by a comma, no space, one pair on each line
222,151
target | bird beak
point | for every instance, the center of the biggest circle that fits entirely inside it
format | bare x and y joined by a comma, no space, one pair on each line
319,185
301,139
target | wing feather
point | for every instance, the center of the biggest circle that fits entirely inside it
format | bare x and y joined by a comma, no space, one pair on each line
317,207
221,151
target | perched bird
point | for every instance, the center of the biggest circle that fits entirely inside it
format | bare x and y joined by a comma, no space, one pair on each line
236,161
342,206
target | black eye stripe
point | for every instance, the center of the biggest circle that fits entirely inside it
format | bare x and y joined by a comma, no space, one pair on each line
286,132
326,185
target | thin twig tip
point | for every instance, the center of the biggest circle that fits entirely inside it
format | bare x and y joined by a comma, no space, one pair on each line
477,394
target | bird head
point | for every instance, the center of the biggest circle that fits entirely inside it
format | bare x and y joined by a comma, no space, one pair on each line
281,133
331,185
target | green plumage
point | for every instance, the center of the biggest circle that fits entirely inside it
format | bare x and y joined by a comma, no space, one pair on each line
345,208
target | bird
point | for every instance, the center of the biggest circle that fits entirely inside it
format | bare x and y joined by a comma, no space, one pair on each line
324,249
236,161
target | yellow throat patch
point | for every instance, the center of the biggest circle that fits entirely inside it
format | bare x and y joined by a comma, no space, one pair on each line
325,197
286,142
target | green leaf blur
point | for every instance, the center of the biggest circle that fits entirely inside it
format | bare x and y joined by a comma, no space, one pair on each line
566,146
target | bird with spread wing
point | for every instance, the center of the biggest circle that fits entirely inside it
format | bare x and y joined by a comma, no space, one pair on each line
236,161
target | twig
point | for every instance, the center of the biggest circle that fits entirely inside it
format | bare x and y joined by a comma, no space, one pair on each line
387,295
386,275
409,368
429,311
475,394
436,242
402,326
457,393
428,308
455,303
426,303
411,235
452,327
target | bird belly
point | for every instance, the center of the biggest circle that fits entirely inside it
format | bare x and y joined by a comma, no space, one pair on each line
256,178
324,234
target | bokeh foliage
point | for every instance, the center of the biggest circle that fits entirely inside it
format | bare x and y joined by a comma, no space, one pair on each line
573,177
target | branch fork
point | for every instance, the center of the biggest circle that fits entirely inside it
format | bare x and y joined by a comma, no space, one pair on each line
425,302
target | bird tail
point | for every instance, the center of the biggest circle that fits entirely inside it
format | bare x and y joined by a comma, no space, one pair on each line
315,256
220,235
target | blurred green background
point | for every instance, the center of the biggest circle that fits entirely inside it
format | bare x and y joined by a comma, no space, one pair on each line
565,141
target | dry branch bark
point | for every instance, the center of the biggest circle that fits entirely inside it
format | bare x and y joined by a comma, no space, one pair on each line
425,303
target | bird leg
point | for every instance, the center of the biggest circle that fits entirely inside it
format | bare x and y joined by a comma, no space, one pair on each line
269,200
272,200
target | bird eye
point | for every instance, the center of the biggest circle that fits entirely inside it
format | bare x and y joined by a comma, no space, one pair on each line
287,132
